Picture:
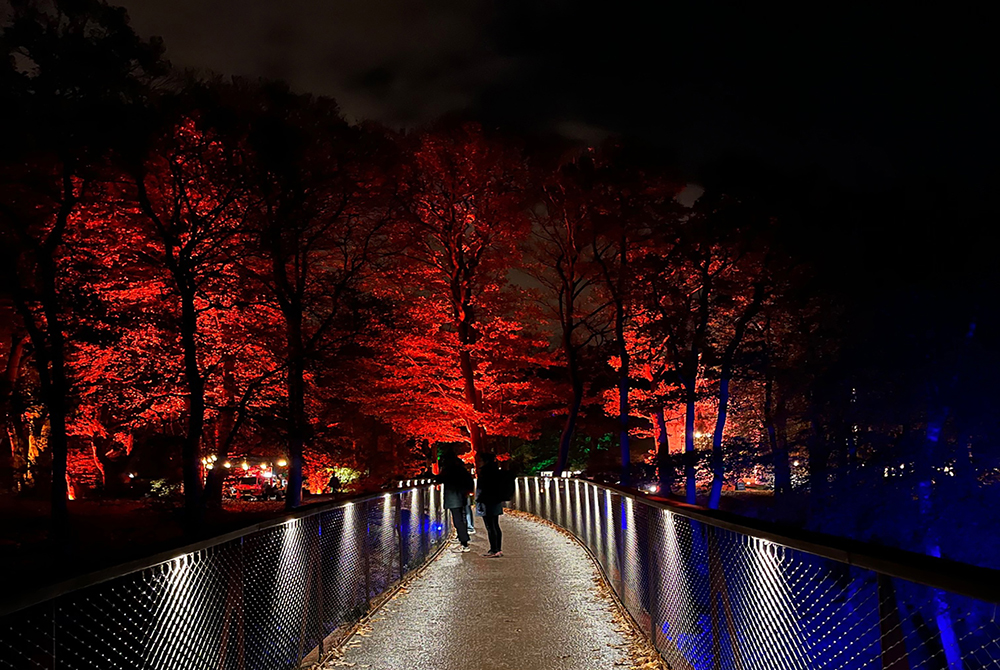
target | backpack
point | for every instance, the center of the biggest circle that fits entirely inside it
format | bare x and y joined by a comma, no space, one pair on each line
508,485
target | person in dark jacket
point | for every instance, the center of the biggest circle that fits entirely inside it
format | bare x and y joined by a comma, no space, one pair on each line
489,502
458,485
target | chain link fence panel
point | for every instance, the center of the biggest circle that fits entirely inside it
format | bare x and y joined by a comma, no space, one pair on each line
269,599
711,596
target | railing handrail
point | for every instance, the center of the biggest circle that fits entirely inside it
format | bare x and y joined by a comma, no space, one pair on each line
86,580
961,578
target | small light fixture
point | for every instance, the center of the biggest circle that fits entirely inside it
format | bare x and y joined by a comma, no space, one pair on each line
227,464
246,466
282,463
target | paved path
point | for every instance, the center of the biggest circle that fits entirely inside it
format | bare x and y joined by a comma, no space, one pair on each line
537,607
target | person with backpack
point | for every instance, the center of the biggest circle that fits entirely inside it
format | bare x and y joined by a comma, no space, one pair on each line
458,485
490,496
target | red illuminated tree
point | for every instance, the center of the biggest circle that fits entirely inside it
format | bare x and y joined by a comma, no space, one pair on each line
744,310
635,207
704,286
193,200
323,223
73,74
13,459
465,196
562,250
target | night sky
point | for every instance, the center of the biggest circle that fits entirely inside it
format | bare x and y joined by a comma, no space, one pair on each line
868,97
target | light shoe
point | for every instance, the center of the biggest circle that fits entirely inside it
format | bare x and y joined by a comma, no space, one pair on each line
461,549
489,554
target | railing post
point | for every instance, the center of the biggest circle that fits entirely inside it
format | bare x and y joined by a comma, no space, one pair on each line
364,554
652,576
319,585
618,535
398,509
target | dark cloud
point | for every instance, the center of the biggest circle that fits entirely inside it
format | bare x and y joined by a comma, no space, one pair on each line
865,95
393,61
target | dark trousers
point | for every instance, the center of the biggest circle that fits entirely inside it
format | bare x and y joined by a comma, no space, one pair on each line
458,518
492,524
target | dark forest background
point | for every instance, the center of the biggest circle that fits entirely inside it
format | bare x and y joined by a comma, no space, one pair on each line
202,269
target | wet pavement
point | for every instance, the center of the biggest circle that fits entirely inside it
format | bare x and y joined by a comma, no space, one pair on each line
537,607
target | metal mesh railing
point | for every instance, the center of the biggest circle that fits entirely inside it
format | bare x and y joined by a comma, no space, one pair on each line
714,595
265,599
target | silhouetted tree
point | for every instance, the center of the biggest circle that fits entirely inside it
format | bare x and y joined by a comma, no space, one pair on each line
74,74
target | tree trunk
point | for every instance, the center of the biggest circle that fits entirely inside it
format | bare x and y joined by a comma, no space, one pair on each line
18,434
718,463
779,446
112,469
575,401
819,455
296,407
728,358
8,445
55,391
191,445
664,461
58,444
690,382
624,444
216,476
477,435
225,430
55,386
690,457
24,457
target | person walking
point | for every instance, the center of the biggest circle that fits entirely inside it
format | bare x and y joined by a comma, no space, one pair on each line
457,486
489,502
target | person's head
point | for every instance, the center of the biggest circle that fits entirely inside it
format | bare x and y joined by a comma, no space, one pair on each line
451,460
486,460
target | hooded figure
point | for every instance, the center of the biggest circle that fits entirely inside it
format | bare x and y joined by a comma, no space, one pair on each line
489,502
458,485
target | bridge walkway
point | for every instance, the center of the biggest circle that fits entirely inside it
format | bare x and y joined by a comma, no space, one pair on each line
539,606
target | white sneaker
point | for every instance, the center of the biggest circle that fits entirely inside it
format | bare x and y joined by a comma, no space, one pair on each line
461,549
